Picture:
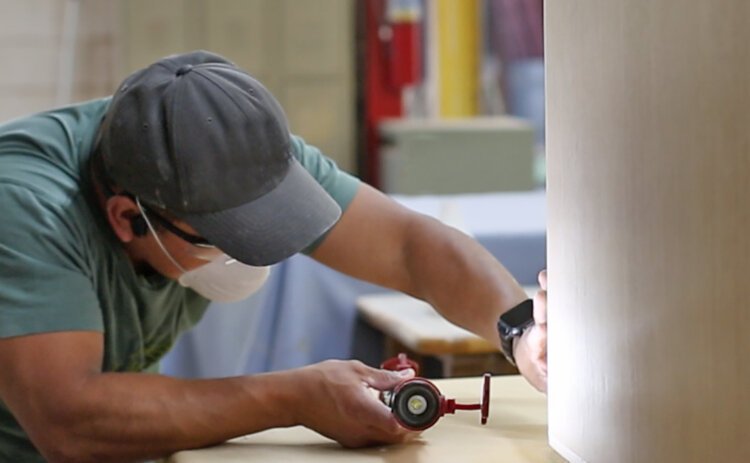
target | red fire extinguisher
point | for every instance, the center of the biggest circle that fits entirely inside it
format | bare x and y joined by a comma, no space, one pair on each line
401,33
393,50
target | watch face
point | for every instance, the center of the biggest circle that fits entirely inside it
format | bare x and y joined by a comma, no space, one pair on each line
516,319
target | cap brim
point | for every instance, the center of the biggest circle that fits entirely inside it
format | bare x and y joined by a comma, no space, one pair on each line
275,226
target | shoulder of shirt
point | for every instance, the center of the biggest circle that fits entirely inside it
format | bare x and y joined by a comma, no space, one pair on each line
38,160
95,107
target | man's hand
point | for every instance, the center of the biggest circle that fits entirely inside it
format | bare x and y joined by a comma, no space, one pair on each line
530,350
338,402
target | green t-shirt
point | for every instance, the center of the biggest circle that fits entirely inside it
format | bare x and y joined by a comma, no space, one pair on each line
63,269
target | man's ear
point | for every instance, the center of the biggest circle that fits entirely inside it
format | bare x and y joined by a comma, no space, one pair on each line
121,210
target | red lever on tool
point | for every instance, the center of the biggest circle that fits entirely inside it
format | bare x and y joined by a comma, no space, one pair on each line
417,403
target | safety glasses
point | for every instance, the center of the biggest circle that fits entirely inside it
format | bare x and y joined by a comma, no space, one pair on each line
185,236
199,247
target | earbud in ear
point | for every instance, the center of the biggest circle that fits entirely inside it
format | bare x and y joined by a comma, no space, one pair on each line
138,225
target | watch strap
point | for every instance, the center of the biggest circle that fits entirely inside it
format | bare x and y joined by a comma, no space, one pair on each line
512,324
507,347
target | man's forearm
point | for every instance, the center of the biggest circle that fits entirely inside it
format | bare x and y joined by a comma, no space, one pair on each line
382,242
461,279
128,417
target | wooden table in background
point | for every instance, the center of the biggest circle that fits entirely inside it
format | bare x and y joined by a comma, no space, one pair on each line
516,432
412,325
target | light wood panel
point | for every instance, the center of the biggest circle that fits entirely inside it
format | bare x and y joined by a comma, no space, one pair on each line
239,29
302,51
31,47
648,185
153,30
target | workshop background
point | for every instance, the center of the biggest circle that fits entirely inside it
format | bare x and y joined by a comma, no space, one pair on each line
439,103
339,67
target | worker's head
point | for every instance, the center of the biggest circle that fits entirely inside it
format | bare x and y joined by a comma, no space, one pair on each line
202,152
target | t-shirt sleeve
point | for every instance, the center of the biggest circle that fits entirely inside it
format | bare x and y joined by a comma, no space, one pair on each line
43,283
340,185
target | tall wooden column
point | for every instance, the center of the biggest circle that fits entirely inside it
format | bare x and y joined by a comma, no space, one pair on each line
648,141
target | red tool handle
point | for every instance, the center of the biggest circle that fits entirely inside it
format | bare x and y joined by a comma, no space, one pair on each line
450,405
402,362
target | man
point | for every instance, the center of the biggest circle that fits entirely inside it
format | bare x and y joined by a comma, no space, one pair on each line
119,217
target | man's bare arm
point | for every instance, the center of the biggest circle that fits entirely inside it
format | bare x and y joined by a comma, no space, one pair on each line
53,385
380,241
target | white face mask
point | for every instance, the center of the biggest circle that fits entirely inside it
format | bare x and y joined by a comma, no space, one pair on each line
225,280
222,279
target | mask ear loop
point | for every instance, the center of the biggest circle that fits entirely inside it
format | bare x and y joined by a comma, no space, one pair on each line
158,241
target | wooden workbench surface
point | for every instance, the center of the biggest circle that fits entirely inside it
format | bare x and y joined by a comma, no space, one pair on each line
516,432
416,325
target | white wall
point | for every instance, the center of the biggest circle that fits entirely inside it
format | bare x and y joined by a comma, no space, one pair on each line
648,142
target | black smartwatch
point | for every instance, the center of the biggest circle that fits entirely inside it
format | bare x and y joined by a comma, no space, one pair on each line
512,324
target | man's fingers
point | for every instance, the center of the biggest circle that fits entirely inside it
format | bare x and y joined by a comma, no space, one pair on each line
543,279
540,300
384,380
540,307
357,416
532,358
379,417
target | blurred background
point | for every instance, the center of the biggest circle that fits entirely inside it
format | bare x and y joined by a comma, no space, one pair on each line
439,103
341,68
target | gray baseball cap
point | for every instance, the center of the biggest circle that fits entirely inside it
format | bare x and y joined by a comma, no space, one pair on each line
200,138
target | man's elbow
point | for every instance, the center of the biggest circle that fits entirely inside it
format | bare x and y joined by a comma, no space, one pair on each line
67,441
60,448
